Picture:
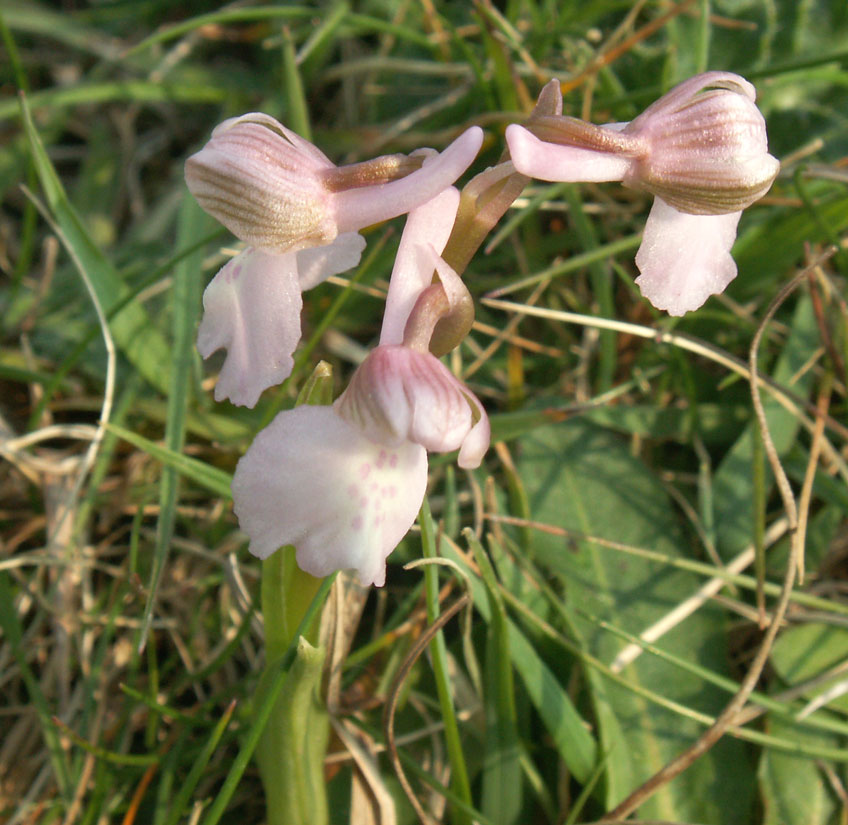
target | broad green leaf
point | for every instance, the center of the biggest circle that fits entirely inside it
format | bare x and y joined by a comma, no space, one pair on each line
566,726
780,241
583,478
716,422
292,748
795,790
808,650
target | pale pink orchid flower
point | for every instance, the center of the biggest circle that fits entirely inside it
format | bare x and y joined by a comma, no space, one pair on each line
299,215
343,483
701,150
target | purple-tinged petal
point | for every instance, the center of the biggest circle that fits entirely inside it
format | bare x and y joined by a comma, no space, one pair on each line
684,93
685,258
708,148
312,156
264,184
316,264
312,480
361,207
400,394
428,228
554,162
252,309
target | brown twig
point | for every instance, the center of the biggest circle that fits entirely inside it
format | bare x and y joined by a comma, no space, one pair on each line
727,717
389,714
603,60
824,328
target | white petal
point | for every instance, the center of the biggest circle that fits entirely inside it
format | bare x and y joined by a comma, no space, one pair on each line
427,226
553,162
476,443
685,258
252,309
360,207
316,264
312,480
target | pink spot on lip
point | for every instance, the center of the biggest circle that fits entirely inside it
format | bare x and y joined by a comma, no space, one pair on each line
381,460
393,460
364,470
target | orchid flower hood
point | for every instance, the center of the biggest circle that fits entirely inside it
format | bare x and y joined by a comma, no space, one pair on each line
701,150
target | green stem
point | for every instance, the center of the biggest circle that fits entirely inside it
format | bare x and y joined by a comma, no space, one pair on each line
293,744
438,649
266,700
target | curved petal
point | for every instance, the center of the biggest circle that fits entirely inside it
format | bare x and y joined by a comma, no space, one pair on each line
361,207
313,156
554,162
312,480
476,443
316,264
685,258
252,309
427,226
683,93
453,285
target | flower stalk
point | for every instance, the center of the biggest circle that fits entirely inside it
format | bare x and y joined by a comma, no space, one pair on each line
291,750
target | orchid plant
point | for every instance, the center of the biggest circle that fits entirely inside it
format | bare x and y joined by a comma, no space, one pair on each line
362,462
342,482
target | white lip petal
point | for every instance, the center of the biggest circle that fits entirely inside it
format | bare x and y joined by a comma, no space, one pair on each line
685,258
252,309
313,480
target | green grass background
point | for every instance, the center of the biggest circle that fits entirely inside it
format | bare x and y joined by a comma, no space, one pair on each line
131,644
